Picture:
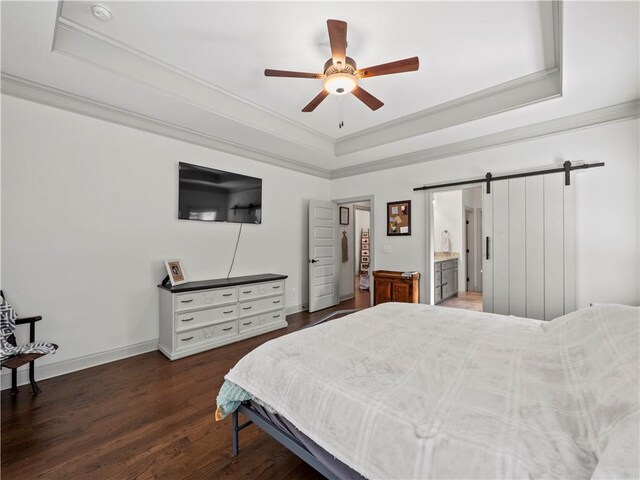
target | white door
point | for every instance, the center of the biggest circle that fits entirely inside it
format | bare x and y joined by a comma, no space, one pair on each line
529,269
323,255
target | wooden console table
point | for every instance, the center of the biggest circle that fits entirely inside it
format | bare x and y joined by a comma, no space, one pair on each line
198,316
389,286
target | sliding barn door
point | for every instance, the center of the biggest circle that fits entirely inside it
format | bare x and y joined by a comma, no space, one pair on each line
528,252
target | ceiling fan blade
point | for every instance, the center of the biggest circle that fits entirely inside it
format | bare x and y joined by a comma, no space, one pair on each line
338,41
365,97
316,101
399,66
285,73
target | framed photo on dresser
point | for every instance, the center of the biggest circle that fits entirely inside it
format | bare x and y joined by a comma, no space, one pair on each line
175,272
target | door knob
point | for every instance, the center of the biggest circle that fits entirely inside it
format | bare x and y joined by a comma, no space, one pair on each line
313,260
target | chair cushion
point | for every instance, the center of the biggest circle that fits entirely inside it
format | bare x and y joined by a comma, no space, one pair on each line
8,318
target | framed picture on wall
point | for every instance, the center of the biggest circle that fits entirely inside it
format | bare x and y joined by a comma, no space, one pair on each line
175,272
344,215
399,218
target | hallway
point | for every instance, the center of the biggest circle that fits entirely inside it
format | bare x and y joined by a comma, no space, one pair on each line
362,298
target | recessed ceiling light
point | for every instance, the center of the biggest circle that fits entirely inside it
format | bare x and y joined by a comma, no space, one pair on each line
101,12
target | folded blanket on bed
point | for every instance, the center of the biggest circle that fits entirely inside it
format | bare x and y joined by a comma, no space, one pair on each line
413,391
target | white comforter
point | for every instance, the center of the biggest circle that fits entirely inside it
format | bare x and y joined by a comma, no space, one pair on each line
413,391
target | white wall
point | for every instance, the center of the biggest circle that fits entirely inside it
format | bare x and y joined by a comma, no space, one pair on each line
472,197
89,213
447,208
607,217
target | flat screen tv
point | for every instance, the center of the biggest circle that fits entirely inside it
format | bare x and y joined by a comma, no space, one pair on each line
218,196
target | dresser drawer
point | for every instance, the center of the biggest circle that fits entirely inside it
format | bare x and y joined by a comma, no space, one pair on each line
449,264
246,292
206,334
187,301
258,321
253,307
188,320
437,278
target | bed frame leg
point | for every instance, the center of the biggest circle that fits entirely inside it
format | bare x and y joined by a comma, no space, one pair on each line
234,435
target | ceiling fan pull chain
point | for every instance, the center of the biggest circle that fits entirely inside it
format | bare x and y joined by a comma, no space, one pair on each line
341,123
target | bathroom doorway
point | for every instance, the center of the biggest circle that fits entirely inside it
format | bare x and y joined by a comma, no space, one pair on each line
457,230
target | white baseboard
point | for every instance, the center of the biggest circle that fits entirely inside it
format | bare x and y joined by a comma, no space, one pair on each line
295,309
72,365
80,363
347,296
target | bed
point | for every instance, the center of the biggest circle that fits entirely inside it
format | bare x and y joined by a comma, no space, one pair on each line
415,391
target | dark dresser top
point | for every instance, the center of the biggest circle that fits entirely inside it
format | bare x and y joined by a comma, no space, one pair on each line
222,282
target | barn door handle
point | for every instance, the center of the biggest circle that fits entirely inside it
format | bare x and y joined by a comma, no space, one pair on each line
487,248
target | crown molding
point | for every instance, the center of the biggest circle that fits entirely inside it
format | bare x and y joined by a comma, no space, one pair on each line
54,97
47,95
614,113
523,91
98,50
535,87
90,47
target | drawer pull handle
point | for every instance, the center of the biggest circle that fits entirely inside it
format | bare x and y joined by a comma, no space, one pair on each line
186,301
187,319
227,329
186,339
276,316
247,323
228,311
227,294
276,286
276,301
248,291
247,308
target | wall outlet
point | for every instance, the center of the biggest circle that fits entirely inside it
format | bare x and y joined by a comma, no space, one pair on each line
293,292
386,248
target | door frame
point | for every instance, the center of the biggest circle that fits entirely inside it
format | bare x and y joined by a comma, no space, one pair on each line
372,234
479,248
470,250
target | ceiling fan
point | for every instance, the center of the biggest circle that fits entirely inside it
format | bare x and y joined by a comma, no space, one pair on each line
341,74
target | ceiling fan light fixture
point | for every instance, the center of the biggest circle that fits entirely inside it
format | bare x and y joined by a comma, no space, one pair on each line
340,83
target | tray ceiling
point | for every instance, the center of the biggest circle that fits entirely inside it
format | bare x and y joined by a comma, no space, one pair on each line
194,71
463,47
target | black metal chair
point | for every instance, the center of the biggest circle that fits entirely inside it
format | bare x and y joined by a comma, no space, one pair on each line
19,359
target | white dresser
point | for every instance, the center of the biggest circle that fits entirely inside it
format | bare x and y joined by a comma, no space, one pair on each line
198,316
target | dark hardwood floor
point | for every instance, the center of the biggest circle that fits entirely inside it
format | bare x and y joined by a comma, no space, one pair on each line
143,417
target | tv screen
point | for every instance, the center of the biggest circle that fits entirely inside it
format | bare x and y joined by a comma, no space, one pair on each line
218,196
